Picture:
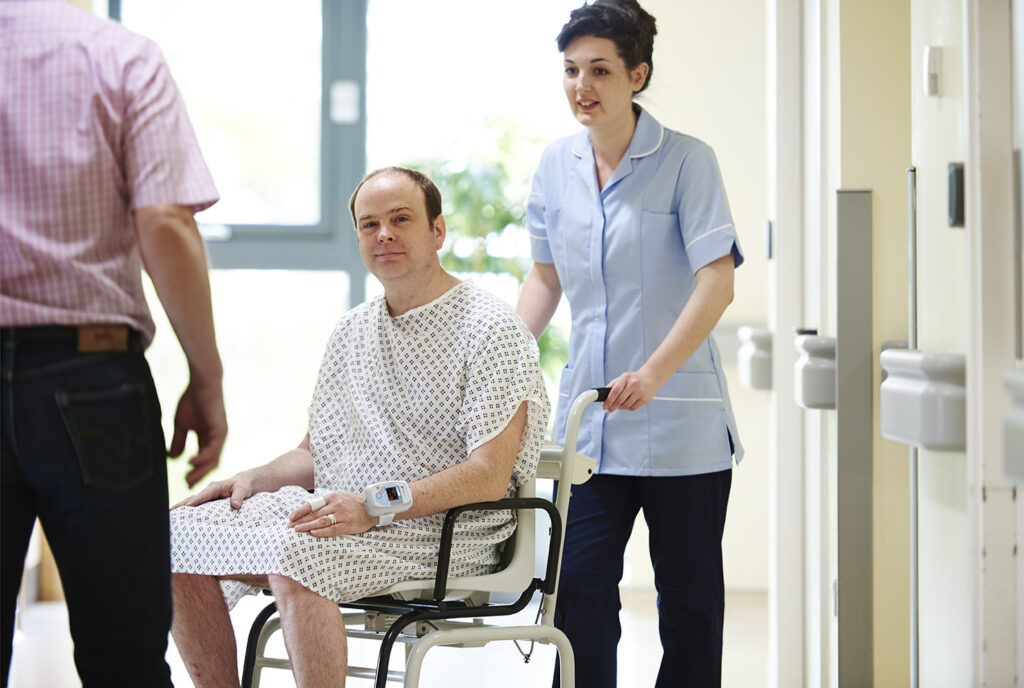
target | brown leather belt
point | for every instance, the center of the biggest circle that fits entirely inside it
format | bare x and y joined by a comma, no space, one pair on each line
93,338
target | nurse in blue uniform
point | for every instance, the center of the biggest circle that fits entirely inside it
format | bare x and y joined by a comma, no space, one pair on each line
630,221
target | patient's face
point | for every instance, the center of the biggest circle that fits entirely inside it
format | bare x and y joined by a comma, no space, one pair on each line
396,240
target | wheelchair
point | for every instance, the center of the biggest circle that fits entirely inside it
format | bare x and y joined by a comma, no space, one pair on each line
451,611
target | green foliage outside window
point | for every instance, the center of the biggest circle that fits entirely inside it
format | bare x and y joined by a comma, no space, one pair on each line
485,211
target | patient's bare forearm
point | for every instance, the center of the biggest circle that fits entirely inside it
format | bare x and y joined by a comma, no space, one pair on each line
483,477
294,467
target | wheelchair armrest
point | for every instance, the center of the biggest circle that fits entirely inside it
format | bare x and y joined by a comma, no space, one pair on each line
448,534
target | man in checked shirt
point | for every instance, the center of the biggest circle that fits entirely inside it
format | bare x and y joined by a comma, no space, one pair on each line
100,173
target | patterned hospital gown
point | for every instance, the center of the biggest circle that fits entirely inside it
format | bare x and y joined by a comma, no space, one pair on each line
397,398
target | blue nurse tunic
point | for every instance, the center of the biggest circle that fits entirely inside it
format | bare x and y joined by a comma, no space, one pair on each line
626,256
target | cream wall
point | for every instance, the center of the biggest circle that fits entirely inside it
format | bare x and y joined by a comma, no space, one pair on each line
856,136
875,141
709,82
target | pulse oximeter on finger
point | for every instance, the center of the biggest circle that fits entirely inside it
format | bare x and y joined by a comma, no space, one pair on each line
387,499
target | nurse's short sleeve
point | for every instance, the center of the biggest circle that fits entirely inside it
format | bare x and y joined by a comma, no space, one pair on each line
704,217
540,249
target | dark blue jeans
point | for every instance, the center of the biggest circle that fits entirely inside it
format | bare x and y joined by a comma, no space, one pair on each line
685,516
83,450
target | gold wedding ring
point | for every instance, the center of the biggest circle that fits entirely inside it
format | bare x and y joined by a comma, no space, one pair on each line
333,520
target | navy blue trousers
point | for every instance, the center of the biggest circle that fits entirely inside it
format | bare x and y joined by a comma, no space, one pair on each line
685,516
83,450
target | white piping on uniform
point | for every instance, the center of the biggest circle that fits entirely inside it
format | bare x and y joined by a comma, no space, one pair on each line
716,229
687,399
661,137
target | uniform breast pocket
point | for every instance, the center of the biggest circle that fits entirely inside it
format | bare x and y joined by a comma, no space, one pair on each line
688,419
663,245
112,431
659,224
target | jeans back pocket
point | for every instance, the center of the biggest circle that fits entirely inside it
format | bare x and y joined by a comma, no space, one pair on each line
111,431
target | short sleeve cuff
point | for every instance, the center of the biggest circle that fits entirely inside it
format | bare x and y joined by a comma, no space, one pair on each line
540,249
712,245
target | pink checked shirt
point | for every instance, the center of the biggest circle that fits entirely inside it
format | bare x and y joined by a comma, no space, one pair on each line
91,127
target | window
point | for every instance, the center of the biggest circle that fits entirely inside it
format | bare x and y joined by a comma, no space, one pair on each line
448,78
276,93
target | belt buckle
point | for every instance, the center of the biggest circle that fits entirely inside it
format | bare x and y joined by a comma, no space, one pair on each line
102,338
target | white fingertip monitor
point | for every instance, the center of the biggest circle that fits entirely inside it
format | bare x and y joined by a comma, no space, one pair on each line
387,499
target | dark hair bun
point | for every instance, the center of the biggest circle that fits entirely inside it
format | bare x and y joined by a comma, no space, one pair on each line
624,22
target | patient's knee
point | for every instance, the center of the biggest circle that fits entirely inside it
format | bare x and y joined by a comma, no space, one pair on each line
189,581
296,602
194,589
289,592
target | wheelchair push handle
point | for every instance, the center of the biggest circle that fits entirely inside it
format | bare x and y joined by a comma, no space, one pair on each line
572,421
594,394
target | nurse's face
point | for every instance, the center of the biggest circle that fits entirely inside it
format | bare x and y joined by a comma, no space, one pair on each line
598,85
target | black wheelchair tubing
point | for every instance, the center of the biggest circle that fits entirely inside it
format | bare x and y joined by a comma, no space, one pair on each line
416,615
448,535
249,663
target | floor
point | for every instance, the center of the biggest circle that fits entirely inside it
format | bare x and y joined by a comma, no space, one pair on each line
42,654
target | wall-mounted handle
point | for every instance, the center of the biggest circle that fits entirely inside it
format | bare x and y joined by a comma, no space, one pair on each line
923,399
892,344
815,372
754,357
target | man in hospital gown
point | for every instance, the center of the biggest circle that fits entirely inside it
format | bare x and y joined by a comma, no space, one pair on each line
435,383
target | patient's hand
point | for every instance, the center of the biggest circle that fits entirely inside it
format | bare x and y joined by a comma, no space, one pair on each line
235,489
349,511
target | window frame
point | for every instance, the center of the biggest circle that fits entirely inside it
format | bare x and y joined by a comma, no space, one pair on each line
331,243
